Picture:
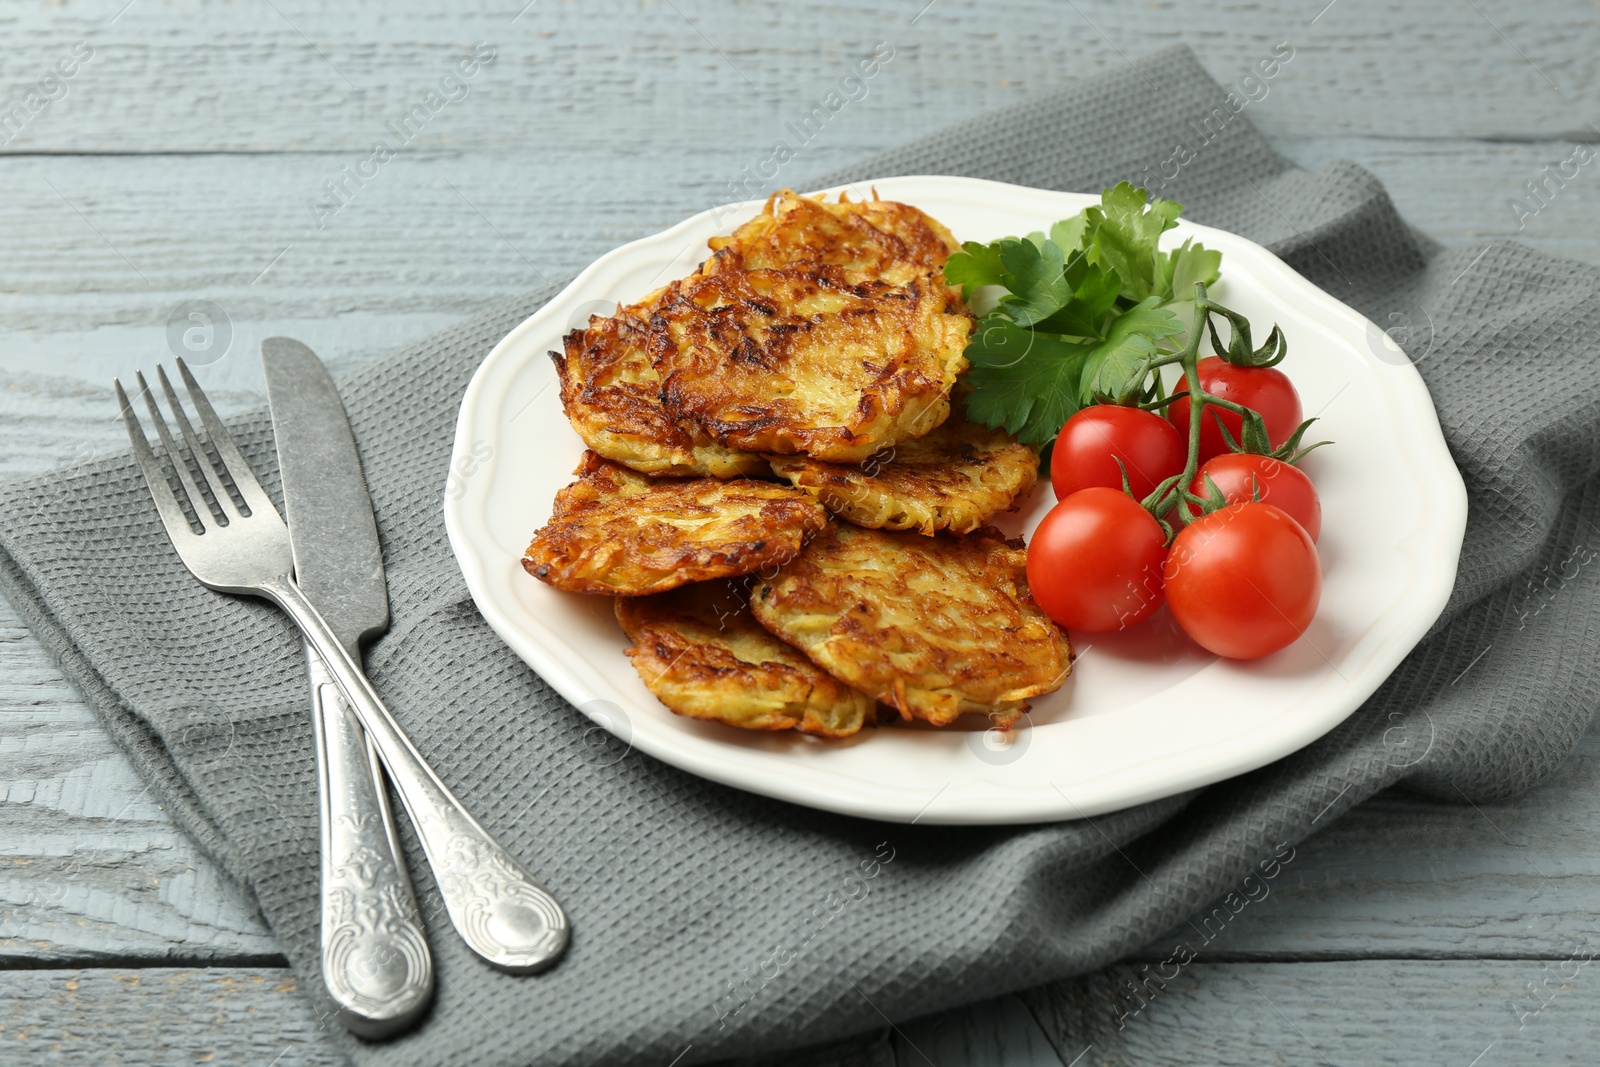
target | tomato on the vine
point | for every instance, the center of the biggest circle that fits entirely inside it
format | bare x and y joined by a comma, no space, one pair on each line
1243,581
1241,477
1087,449
1094,563
1265,390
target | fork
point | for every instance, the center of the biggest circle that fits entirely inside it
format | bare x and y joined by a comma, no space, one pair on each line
234,541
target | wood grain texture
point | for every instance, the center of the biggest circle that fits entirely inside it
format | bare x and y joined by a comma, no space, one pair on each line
1228,1015
998,1033
296,76
1372,1012
105,247
111,1017
182,163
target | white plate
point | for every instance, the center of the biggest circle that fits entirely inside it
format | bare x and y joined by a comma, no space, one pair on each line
1121,731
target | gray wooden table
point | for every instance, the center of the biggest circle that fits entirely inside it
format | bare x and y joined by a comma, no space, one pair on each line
188,156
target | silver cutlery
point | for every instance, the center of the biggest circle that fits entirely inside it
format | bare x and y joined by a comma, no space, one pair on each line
375,959
242,546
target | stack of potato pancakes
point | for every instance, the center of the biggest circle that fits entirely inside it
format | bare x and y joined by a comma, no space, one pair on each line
805,372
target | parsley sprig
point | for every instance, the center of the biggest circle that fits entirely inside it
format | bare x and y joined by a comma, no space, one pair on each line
1078,311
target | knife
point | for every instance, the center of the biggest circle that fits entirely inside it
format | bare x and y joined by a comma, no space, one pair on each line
375,959
498,908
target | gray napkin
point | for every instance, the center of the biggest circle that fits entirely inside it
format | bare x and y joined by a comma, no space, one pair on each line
711,923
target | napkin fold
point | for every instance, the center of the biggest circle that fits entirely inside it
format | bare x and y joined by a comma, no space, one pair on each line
710,923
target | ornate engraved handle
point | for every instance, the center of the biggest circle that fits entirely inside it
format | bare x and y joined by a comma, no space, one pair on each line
375,959
498,909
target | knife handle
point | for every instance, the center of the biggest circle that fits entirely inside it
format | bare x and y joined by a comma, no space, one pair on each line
375,959
498,909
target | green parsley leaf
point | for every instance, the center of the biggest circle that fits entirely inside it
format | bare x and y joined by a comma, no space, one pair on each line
1027,381
1180,270
1121,235
1093,298
1109,367
974,267
1184,266
1036,278
1068,233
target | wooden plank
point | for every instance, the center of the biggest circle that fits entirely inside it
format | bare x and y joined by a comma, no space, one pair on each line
217,1015
996,1033
1466,1013
190,76
100,287
873,1050
1245,1014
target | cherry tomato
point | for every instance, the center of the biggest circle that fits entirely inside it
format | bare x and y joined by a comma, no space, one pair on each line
1095,561
1089,445
1243,581
1266,390
1283,485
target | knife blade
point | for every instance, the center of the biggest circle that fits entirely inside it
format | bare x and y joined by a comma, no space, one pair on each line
375,959
337,559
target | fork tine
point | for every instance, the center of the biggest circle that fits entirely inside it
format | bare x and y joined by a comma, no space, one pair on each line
208,470
197,498
238,469
167,506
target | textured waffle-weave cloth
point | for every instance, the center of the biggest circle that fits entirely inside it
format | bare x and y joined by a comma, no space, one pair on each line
728,924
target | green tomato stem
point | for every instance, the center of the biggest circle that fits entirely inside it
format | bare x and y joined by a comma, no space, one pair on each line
1191,377
1173,493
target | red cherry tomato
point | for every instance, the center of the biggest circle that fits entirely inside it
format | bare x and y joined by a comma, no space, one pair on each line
1243,581
1089,445
1266,390
1283,485
1095,561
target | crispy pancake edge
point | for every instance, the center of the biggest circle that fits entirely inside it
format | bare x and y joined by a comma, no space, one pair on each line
700,652
602,538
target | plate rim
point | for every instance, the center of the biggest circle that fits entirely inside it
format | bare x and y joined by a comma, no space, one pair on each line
1445,516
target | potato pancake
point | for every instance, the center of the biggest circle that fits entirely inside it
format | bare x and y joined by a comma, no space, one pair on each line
701,653
933,626
612,396
799,359
871,240
617,531
956,478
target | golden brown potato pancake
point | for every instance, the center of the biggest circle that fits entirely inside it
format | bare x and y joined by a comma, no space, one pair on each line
872,240
933,626
799,359
612,396
617,531
700,652
956,478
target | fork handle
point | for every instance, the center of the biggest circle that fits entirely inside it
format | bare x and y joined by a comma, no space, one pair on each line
498,909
